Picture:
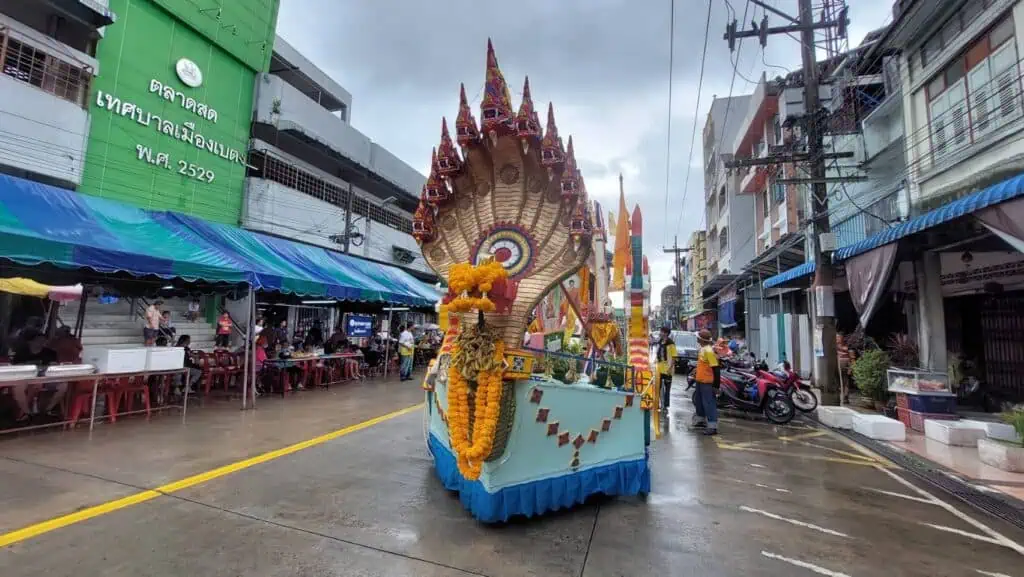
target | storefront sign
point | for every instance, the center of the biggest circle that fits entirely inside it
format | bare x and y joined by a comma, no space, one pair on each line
358,326
185,132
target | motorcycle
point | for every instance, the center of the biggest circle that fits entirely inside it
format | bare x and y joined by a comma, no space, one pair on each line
789,381
752,394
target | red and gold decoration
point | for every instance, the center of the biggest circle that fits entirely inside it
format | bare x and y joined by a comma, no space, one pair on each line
563,438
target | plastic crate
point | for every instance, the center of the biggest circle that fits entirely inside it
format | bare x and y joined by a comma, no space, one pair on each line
915,420
936,404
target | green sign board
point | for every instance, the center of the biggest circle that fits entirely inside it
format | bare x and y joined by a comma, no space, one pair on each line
170,113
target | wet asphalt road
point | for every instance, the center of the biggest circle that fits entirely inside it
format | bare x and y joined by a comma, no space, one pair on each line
758,500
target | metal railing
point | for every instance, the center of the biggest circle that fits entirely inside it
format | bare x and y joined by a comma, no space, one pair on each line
611,369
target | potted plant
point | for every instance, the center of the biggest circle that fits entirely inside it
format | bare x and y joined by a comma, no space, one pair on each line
869,373
617,372
1004,454
903,351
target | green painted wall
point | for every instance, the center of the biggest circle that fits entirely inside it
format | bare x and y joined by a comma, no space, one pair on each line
154,141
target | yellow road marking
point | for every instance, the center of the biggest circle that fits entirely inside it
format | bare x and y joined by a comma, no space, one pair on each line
810,435
143,496
841,452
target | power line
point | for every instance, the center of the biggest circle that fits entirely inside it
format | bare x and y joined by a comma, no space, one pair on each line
693,134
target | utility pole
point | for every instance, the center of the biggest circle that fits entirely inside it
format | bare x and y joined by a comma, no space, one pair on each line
677,251
348,217
825,361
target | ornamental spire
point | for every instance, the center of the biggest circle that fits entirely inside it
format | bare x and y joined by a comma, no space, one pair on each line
466,130
434,191
448,161
551,155
570,174
527,122
496,106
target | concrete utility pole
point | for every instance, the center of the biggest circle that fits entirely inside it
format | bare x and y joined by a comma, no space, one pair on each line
348,217
825,361
677,251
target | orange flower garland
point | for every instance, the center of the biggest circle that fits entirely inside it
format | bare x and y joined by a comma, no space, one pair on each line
464,278
471,450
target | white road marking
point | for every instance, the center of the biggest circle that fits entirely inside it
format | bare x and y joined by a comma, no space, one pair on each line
773,488
804,565
963,533
996,536
903,496
793,521
756,466
991,574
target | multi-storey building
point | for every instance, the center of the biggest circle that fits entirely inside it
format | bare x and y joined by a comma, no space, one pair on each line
778,208
729,215
961,89
48,54
309,166
697,270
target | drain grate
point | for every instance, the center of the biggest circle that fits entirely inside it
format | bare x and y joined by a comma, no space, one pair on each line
1006,508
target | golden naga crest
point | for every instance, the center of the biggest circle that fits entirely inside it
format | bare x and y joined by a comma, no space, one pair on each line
510,192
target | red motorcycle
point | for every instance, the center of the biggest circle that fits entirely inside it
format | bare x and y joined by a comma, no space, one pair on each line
788,380
746,392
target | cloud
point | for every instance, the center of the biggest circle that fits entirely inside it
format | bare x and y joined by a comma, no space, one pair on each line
603,63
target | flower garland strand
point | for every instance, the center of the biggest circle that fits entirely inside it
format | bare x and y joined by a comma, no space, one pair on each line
471,449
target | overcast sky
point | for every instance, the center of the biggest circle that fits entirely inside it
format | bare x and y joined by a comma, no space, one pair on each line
604,64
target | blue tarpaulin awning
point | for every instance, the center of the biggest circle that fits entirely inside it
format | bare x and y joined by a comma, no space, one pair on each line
727,314
995,194
41,224
792,274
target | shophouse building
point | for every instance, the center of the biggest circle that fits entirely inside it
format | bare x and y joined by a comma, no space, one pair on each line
729,216
309,166
49,62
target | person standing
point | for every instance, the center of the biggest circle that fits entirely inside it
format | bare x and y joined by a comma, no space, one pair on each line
224,325
406,349
666,356
707,380
152,329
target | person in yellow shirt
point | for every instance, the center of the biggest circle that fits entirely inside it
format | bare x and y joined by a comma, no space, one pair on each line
707,380
666,356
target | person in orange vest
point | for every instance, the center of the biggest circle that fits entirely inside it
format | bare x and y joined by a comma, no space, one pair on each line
707,380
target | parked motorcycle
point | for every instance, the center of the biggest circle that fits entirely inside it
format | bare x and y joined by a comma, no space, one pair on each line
752,394
783,375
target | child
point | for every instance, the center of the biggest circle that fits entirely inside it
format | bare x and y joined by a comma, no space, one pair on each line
193,310
224,325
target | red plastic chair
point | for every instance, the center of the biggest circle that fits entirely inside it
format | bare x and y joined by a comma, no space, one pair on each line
211,372
125,390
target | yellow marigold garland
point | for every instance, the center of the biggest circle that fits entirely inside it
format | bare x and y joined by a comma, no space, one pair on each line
464,278
471,452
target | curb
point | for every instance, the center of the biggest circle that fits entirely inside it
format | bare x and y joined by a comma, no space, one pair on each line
990,501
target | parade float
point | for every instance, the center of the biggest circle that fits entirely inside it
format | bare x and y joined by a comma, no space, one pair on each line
504,218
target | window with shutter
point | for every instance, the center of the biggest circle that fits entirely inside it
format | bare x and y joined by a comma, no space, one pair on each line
978,83
957,95
940,133
1004,70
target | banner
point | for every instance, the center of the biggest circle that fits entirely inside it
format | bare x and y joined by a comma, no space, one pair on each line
358,326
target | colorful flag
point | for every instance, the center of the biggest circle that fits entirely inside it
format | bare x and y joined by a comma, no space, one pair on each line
622,246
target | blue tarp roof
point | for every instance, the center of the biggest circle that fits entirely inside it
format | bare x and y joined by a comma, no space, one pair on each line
1006,190
995,194
785,276
45,224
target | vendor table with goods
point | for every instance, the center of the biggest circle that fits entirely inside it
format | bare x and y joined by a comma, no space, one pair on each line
921,395
313,367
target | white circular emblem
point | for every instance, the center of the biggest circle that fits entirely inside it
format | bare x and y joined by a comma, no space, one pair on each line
189,73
